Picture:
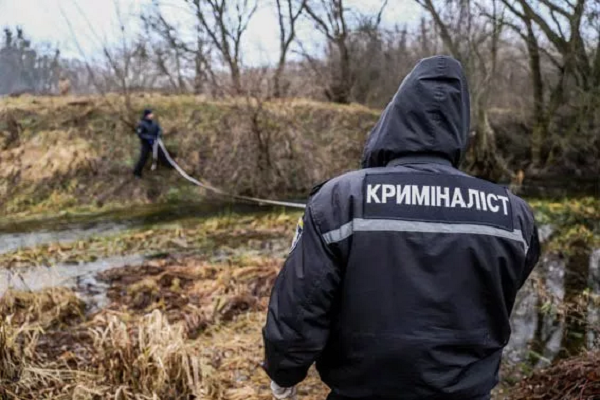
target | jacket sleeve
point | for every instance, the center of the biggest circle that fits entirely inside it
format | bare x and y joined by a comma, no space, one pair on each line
533,255
142,133
299,313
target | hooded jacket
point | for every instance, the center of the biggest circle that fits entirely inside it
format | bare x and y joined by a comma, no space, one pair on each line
148,129
403,275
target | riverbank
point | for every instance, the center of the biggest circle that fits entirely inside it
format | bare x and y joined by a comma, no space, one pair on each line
77,153
185,322
60,153
175,307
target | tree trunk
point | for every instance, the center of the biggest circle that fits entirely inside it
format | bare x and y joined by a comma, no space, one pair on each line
339,90
485,162
540,130
236,78
278,91
346,74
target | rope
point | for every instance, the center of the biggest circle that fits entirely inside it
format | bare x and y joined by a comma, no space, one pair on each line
221,192
154,154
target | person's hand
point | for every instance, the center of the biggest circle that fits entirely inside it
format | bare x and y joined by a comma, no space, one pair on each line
281,393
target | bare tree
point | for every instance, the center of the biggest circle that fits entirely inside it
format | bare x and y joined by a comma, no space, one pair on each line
172,49
287,17
125,66
25,68
184,59
331,19
225,22
476,45
575,55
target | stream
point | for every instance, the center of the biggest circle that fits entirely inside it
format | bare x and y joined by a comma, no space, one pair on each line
15,235
529,322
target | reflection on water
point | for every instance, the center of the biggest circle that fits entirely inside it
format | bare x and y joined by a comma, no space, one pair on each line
593,338
63,229
15,241
544,232
81,278
538,334
68,275
16,235
529,324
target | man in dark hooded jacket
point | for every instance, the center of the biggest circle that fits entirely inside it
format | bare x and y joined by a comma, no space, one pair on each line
149,131
403,275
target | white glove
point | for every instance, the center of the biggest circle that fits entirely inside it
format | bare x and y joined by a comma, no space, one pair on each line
283,393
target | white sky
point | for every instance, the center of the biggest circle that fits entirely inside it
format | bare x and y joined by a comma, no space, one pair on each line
95,22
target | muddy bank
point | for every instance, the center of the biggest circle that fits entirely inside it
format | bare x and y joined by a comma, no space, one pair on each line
190,316
188,235
194,314
216,302
19,233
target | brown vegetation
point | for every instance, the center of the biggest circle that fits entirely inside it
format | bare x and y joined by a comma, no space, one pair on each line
573,379
517,55
188,325
68,153
174,328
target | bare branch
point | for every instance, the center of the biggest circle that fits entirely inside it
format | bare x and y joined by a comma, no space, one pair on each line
287,18
321,24
555,8
225,34
380,13
444,29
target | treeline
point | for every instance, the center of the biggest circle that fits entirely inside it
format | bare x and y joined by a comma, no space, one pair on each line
533,67
24,68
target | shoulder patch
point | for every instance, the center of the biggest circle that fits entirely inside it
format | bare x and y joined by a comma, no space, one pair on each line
298,234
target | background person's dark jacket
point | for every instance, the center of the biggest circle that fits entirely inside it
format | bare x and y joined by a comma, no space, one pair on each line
399,301
148,129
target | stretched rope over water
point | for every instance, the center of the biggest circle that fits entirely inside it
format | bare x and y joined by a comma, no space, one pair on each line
221,192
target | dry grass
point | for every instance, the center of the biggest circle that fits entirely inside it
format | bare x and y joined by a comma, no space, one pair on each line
24,373
148,359
56,307
573,379
180,328
48,154
58,153
10,357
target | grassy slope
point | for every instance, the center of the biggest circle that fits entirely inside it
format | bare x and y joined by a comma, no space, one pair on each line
58,153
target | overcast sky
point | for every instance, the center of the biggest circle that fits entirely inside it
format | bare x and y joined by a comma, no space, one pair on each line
95,22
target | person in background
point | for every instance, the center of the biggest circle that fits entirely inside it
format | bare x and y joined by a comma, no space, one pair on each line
402,276
149,131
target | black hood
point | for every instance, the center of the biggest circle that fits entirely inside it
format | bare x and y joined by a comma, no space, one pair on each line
429,115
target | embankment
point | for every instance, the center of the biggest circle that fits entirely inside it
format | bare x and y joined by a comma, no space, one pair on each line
59,153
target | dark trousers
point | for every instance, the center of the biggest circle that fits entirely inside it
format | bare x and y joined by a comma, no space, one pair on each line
145,153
